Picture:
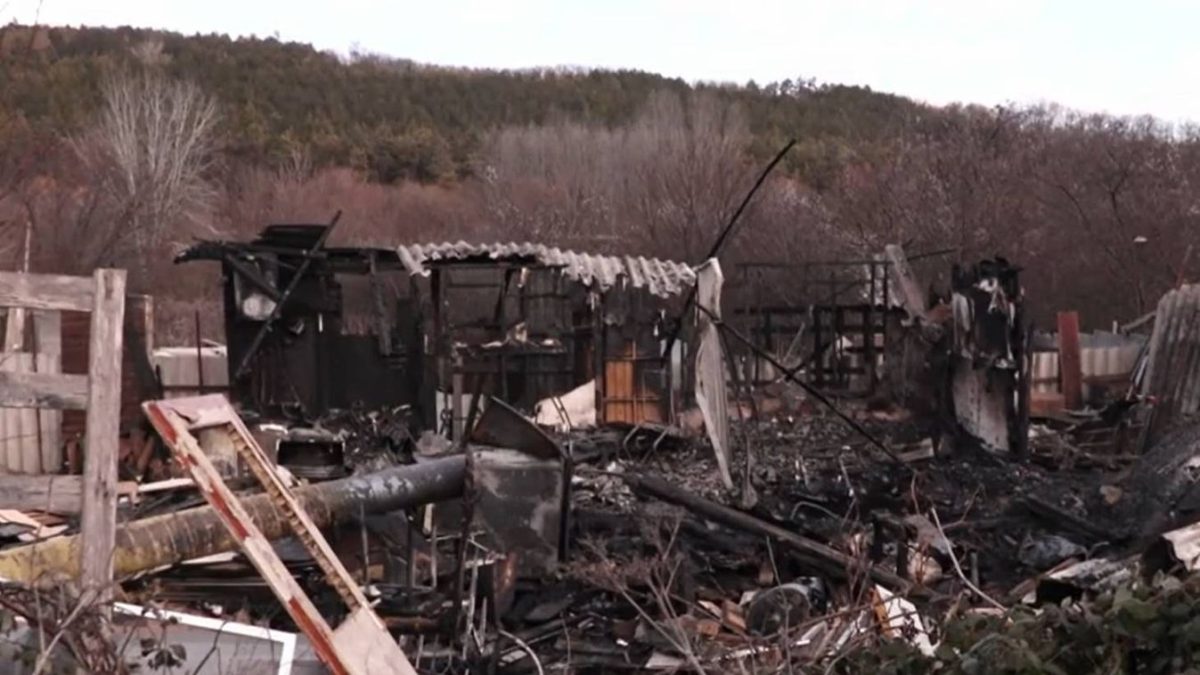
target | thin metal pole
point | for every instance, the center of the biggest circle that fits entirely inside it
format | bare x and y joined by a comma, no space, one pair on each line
199,357
728,230
803,385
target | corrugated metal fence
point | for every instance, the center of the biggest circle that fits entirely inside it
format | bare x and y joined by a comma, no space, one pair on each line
1099,363
1173,373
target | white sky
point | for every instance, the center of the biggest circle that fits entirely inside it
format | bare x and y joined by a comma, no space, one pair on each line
1094,55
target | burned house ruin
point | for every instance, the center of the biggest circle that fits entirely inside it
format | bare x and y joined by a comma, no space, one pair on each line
429,326
439,449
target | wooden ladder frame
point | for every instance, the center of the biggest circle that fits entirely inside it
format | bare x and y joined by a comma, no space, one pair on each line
362,644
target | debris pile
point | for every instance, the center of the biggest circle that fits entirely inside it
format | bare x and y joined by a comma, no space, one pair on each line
543,492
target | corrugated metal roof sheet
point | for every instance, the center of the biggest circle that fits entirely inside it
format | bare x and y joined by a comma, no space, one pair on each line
662,278
1173,372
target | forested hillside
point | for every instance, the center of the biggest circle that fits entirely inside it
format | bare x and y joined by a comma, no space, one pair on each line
117,146
397,118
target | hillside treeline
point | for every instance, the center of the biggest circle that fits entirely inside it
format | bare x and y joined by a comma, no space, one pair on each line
392,117
119,145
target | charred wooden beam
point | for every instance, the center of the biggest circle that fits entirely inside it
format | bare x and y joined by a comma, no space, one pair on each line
820,557
175,537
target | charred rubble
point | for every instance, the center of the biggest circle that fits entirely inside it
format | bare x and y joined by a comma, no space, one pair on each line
831,458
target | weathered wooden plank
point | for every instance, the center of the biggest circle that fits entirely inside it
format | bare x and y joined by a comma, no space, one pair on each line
99,523
59,494
31,449
43,390
46,291
20,433
11,437
14,330
47,344
56,494
47,333
367,645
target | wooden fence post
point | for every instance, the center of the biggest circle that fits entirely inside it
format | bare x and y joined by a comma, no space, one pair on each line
99,524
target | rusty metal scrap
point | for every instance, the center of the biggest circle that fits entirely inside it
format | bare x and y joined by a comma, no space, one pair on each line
829,561
662,278
502,426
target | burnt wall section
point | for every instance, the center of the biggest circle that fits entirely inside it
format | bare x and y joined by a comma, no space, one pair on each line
988,365
314,357
1173,370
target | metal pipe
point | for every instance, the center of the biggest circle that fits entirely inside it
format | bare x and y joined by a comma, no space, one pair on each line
172,538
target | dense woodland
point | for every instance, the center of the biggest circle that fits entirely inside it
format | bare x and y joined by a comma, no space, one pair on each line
119,145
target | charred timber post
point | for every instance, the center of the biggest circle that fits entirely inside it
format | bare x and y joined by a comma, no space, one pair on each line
820,557
175,537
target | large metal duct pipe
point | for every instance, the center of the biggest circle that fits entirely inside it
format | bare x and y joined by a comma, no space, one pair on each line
175,537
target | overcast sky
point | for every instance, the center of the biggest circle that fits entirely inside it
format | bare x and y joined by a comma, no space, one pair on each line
1095,55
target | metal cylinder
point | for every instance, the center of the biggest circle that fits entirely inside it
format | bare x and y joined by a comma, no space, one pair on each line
175,537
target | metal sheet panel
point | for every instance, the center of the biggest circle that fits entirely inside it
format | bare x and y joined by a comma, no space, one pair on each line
1098,362
180,369
1174,361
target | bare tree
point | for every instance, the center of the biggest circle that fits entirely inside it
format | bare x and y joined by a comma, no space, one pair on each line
151,152
665,182
689,169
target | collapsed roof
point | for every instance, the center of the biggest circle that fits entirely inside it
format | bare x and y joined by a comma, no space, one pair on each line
662,278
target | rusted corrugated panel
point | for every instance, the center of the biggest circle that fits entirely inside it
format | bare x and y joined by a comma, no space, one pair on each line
1070,362
662,278
1174,367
